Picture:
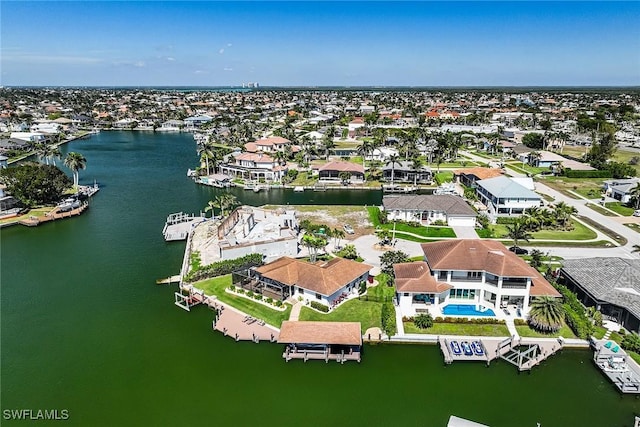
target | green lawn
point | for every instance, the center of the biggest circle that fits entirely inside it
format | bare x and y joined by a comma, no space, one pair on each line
368,313
519,167
433,232
590,188
600,210
446,176
217,285
620,208
470,329
526,331
620,155
635,227
381,290
579,232
37,212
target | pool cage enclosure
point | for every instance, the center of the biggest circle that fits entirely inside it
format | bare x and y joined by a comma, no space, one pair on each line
250,280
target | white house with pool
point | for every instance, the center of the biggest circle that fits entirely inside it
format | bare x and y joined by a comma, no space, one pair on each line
469,277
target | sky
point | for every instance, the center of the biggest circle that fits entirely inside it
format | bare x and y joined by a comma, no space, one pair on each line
299,43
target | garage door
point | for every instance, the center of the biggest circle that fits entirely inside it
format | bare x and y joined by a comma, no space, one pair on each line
461,221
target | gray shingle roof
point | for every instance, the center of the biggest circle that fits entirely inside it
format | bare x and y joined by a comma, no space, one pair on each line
504,187
612,280
452,205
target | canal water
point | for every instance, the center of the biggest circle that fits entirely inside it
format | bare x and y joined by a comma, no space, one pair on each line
84,328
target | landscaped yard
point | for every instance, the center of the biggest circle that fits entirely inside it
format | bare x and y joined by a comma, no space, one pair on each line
526,331
368,313
525,168
579,232
37,212
442,177
433,232
620,155
459,329
217,285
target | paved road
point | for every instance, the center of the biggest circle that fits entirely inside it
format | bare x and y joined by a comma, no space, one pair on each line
633,238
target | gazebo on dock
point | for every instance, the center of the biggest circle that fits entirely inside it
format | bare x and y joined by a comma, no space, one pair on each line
340,341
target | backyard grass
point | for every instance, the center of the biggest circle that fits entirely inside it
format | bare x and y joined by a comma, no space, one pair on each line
579,232
525,168
217,285
526,331
37,212
446,176
471,329
368,313
433,232
591,188
381,290
304,180
619,208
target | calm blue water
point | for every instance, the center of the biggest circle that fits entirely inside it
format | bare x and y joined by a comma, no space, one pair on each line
465,310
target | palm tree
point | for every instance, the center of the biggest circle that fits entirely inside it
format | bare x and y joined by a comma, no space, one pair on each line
222,202
337,234
327,143
518,231
416,165
75,162
533,157
635,194
393,159
313,243
563,212
546,314
363,150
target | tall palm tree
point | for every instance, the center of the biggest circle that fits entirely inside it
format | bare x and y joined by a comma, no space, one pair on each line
518,231
393,159
75,162
563,212
327,143
416,165
533,157
635,194
546,314
363,150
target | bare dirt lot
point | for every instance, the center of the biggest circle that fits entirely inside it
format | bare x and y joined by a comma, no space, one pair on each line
335,217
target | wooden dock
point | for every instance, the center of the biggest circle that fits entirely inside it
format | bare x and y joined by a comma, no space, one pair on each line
34,221
522,353
320,355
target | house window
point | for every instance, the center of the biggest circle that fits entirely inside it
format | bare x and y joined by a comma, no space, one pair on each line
462,293
406,294
300,291
318,296
442,275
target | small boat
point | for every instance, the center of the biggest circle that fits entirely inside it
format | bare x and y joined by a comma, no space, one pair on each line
455,347
477,348
298,189
466,348
68,204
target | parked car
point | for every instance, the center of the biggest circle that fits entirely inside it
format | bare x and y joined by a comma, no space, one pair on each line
348,229
518,250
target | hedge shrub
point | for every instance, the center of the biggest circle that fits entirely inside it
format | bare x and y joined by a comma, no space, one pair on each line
569,173
319,306
389,319
221,268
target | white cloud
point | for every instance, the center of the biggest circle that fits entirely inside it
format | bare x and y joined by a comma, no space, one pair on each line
139,64
169,58
228,69
221,51
51,59
200,72
229,45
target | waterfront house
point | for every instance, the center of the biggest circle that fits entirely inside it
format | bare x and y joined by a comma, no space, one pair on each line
326,282
481,274
270,145
505,196
193,122
254,166
612,285
332,171
171,126
428,208
403,171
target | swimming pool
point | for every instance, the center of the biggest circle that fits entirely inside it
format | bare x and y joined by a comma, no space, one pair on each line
465,310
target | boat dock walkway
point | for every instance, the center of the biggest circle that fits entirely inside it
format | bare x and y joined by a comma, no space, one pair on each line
523,353
34,221
178,225
229,320
616,364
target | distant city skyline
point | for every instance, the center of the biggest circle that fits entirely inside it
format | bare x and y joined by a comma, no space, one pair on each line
203,43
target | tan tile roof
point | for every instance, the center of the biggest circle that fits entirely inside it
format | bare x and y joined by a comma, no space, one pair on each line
272,140
342,166
479,172
485,255
475,255
251,147
323,277
255,157
341,333
416,277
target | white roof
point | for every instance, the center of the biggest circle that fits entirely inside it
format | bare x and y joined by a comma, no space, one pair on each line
502,186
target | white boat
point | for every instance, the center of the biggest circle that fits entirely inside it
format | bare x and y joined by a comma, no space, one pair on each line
68,204
298,189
